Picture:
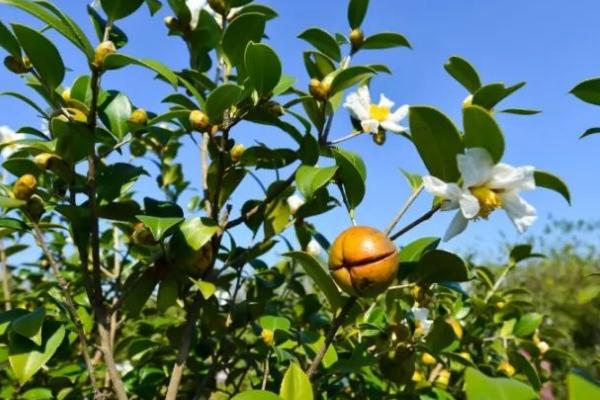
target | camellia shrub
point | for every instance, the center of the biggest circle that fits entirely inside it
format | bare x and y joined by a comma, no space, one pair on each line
114,290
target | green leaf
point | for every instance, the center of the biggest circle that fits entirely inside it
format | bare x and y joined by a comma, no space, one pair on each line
490,95
9,42
263,68
115,110
26,359
481,387
350,77
482,130
30,325
357,9
274,323
37,394
523,366
437,140
321,277
414,180
522,252
385,40
26,100
352,173
588,91
117,9
222,98
441,337
154,6
168,292
207,289
310,179
323,42
20,166
547,180
140,292
74,141
256,395
192,235
157,225
582,387
441,266
295,384
246,28
413,251
464,73
527,324
117,60
117,36
43,55
591,131
520,111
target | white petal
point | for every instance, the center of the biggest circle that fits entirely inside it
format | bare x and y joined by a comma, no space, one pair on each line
195,6
458,225
363,93
507,177
313,248
392,126
370,125
448,205
385,102
475,166
521,213
469,205
399,114
439,188
294,202
357,106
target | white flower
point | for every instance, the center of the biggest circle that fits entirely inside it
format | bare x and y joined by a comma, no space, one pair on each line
422,323
124,367
221,377
313,248
7,135
485,187
294,202
543,347
195,7
219,18
373,117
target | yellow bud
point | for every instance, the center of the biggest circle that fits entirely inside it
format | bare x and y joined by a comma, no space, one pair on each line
417,376
443,379
236,152
357,38
543,347
456,327
500,305
465,355
104,49
507,368
76,115
199,121
267,336
24,187
66,95
318,90
15,65
139,117
42,160
428,359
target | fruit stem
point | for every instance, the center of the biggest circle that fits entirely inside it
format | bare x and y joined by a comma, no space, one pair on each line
337,322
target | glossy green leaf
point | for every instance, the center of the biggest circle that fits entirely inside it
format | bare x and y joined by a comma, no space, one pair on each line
580,386
549,181
248,27
37,394
117,9
295,384
413,251
482,130
591,131
437,140
115,110
588,91
192,235
350,77
481,387
323,42
274,323
464,73
9,42
527,324
139,293
353,175
441,266
522,365
207,289
168,291
520,111
157,225
30,325
42,53
489,95
222,98
117,60
310,179
320,276
256,395
20,166
26,359
153,6
263,67
385,40
357,10
74,141
441,337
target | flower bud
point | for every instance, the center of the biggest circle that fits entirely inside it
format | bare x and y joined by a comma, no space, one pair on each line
35,207
417,377
139,117
507,368
267,336
443,379
428,359
313,248
379,138
66,95
15,65
237,152
543,347
274,108
54,163
199,120
456,327
219,6
76,115
24,187
104,49
294,202
318,90
357,38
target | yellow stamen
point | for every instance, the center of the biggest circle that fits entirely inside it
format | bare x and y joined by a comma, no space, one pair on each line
379,113
488,199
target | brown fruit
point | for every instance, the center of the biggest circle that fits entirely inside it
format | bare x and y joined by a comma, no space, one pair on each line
363,261
24,187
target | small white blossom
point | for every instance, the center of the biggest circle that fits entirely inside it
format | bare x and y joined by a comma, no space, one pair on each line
124,367
195,7
294,202
543,347
221,377
7,135
485,188
422,322
314,248
374,117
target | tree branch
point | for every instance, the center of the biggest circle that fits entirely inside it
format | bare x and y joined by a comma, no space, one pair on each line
404,209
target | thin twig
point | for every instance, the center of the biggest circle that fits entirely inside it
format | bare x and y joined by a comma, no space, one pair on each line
404,209
345,138
266,371
416,222
337,322
499,281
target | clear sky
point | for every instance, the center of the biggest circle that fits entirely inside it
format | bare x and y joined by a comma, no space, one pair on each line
551,44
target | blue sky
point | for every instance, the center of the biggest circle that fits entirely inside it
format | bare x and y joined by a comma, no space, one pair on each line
550,44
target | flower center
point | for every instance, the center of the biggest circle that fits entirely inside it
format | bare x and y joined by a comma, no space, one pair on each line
379,113
488,199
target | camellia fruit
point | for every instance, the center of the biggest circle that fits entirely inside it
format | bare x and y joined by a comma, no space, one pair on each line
237,152
363,261
104,49
199,121
139,117
24,187
357,38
